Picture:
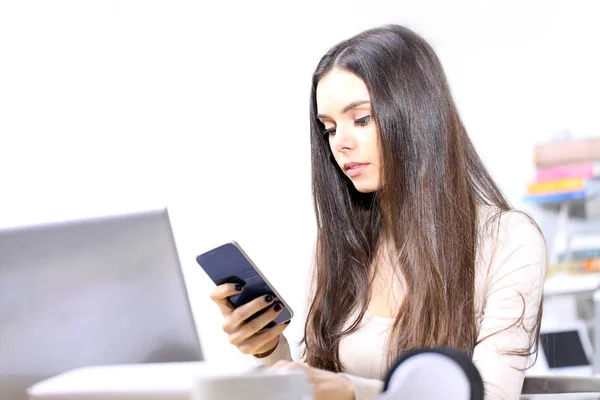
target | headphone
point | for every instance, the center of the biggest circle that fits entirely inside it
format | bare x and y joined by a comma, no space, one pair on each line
433,373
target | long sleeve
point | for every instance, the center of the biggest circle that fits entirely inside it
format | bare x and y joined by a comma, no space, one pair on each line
514,278
364,388
282,352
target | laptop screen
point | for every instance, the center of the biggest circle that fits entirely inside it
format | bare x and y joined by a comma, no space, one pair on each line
563,349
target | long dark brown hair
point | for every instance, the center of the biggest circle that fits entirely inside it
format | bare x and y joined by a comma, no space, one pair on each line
432,184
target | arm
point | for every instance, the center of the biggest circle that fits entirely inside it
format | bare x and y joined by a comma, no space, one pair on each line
364,388
512,299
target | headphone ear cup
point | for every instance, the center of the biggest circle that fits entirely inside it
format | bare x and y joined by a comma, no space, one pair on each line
458,357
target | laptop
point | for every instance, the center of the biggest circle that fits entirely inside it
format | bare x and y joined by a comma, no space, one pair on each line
565,350
91,291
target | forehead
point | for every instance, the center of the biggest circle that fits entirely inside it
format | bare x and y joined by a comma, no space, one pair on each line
338,88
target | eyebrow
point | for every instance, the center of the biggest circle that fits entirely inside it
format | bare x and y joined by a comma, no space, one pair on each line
349,107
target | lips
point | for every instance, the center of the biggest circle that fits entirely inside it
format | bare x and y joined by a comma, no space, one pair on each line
354,169
353,165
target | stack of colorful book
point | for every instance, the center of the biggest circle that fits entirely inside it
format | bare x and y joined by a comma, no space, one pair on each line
577,262
565,170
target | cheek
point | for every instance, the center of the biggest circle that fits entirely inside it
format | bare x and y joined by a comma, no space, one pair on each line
370,142
376,144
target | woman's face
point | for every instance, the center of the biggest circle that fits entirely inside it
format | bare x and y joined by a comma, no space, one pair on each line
343,106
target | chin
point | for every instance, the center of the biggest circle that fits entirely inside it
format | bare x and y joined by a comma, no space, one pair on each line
366,188
366,183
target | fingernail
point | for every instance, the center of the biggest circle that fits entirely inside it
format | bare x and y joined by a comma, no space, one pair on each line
268,298
287,322
277,307
238,288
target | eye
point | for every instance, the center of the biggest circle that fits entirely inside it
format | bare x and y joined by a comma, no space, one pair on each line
363,121
329,132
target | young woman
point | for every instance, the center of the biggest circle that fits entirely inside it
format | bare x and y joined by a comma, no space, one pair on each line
416,245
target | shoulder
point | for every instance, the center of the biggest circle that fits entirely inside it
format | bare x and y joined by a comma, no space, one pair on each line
508,230
510,243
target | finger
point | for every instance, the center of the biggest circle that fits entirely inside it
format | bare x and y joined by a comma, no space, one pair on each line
220,295
223,291
256,342
242,313
256,325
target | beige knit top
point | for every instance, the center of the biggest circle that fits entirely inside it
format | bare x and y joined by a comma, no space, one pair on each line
510,270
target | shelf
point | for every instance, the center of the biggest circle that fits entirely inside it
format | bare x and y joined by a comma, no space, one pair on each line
565,284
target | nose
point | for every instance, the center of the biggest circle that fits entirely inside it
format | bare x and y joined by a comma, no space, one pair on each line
343,140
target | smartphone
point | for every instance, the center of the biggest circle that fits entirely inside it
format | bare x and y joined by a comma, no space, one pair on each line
230,264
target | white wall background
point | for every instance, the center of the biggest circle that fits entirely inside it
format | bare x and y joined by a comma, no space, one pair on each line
203,105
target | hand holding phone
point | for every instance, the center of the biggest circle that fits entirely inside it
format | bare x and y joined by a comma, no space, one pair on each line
255,314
